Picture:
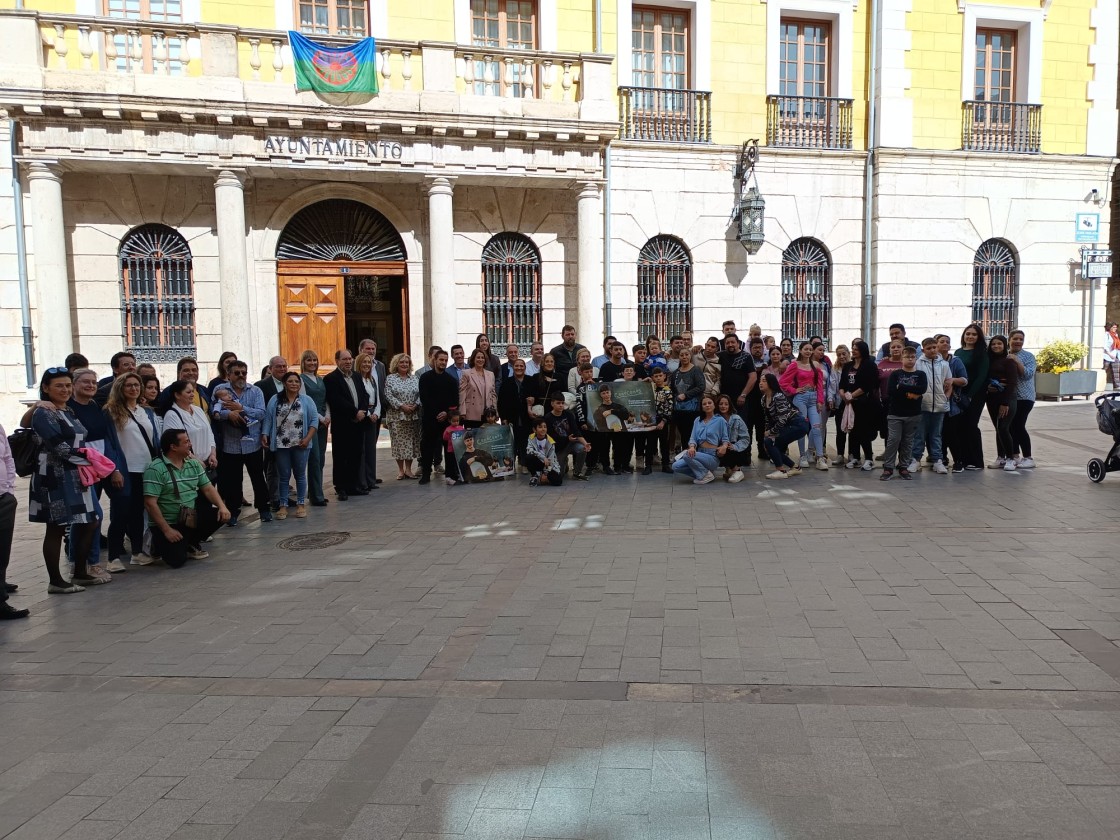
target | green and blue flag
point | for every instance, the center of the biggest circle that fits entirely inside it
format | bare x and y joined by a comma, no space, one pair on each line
350,69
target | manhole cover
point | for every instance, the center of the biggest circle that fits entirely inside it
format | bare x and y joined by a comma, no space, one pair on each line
309,542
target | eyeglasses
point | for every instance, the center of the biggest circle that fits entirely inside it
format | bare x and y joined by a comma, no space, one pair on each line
55,370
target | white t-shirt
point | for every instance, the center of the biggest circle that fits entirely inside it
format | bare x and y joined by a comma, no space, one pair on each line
197,426
136,452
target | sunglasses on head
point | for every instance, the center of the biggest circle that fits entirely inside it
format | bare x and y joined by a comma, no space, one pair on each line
56,370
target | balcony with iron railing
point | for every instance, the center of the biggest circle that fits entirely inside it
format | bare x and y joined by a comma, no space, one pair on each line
809,122
665,115
118,57
1008,127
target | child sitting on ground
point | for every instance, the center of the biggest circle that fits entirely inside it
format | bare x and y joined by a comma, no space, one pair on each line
540,458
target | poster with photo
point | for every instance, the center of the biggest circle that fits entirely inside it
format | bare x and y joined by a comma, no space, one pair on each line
631,408
485,453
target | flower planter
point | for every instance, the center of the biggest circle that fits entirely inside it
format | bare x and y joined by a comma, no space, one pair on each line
1067,385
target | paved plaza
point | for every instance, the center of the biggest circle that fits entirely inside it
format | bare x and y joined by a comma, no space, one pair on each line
628,659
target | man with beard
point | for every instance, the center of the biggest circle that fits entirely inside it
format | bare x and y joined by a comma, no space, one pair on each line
439,394
738,379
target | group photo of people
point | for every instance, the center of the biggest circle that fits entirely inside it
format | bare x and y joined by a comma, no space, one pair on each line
126,471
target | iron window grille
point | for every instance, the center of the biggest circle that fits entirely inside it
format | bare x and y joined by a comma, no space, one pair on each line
511,291
995,287
664,288
806,291
340,229
157,294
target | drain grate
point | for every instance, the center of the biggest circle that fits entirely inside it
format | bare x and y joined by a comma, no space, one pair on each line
310,542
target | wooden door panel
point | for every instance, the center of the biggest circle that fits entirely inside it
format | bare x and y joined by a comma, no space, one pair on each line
312,317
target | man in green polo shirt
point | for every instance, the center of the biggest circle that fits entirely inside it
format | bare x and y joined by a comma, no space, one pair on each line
173,484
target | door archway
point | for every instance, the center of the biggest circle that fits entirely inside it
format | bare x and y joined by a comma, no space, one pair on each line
341,277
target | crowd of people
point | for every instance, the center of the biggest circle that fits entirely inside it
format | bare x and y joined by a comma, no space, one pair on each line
168,463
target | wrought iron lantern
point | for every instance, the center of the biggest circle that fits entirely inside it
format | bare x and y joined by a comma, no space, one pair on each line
750,211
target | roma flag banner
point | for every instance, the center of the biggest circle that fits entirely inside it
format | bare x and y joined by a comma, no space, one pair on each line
351,69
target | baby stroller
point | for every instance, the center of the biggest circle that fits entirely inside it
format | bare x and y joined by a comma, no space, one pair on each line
1108,421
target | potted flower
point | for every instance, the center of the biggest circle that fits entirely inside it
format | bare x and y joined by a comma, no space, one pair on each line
1056,378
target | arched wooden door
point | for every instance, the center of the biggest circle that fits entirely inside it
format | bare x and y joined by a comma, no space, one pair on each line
341,277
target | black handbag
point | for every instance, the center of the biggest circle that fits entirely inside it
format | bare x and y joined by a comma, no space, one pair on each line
25,446
188,516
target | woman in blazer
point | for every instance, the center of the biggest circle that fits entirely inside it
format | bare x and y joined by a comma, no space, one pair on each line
476,390
291,421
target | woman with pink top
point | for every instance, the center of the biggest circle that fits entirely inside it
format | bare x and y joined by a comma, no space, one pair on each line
804,380
891,363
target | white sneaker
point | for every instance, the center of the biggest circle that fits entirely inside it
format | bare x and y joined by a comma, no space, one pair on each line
822,463
778,474
997,464
794,470
115,565
141,560
1010,465
708,478
939,468
852,464
1024,464
868,466
804,462
915,465
736,477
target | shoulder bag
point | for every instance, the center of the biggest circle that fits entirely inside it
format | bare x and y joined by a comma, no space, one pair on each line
152,450
188,516
25,446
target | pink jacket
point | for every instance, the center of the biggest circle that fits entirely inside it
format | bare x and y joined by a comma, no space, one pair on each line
99,467
476,394
794,379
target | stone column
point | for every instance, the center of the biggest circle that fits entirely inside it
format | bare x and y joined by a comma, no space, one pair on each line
444,328
55,333
229,209
589,265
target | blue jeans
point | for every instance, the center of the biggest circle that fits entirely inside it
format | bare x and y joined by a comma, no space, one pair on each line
806,403
776,448
698,466
290,461
929,434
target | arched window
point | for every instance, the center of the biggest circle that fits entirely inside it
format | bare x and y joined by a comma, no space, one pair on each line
806,291
157,294
995,287
511,291
664,288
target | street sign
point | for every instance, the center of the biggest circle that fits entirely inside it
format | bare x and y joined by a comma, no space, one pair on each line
1088,227
1096,263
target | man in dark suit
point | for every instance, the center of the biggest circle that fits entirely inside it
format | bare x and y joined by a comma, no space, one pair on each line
347,400
368,345
513,353
121,363
439,394
270,386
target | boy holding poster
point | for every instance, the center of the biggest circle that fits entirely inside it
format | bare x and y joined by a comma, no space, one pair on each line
663,408
610,418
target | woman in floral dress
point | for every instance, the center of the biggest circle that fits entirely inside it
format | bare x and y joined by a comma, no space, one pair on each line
58,498
402,392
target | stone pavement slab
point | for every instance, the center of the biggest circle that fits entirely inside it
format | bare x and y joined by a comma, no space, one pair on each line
633,657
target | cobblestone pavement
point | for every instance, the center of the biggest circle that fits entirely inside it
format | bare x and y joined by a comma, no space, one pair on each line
634,657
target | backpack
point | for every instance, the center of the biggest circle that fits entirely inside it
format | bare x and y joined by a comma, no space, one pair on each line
25,445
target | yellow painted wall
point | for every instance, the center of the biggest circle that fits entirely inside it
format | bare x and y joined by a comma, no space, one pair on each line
422,20
738,71
935,62
59,7
936,33
256,14
1066,75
